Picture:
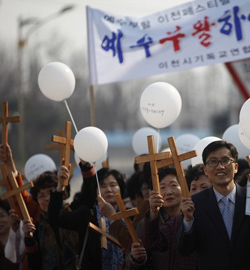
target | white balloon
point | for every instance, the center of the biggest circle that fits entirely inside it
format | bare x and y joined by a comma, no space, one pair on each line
90,144
244,139
244,118
140,141
37,165
199,147
56,81
186,143
160,104
231,135
77,159
98,164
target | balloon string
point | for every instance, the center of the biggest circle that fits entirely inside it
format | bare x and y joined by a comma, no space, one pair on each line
97,181
158,141
65,101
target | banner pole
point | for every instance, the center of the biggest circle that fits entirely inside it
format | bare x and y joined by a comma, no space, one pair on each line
237,80
92,105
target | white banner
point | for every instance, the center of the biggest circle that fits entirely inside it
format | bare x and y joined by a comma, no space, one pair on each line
194,34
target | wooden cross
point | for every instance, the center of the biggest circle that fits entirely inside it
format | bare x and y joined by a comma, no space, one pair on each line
6,184
61,147
126,214
5,119
104,234
15,190
152,157
67,143
105,164
176,160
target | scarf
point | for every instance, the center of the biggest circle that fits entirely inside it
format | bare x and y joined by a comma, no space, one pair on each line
112,258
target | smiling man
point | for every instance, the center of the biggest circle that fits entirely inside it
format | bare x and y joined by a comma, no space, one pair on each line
214,221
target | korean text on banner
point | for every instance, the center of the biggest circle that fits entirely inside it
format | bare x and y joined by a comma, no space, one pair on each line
194,34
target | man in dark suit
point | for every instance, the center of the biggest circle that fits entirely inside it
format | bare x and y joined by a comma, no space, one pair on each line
219,232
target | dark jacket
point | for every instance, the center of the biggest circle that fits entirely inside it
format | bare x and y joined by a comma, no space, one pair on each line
163,238
209,238
78,220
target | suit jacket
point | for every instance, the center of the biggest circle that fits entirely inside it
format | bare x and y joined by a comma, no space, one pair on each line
209,238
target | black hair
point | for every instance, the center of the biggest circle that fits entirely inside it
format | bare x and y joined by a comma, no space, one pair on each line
4,204
242,167
133,185
243,178
167,171
213,146
193,173
147,174
103,173
136,167
44,180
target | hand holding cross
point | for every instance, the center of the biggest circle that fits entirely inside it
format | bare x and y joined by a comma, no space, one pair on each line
15,190
7,157
67,142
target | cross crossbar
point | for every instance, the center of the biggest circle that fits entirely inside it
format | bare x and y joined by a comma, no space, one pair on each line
153,157
176,159
15,191
124,214
4,120
103,233
67,143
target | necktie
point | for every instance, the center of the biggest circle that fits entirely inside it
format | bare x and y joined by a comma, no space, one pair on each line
227,215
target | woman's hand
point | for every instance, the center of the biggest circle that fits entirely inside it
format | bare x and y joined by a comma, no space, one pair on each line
156,201
28,228
187,208
63,176
6,157
138,252
106,209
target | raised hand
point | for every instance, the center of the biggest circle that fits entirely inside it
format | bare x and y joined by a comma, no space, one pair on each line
7,157
156,201
106,209
187,208
28,228
63,176
138,252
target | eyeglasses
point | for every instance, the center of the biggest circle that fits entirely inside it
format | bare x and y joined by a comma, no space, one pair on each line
224,162
44,194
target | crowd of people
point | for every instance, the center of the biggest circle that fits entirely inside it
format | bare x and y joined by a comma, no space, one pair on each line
208,230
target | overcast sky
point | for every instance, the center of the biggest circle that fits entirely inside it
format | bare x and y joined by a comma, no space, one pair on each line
72,25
